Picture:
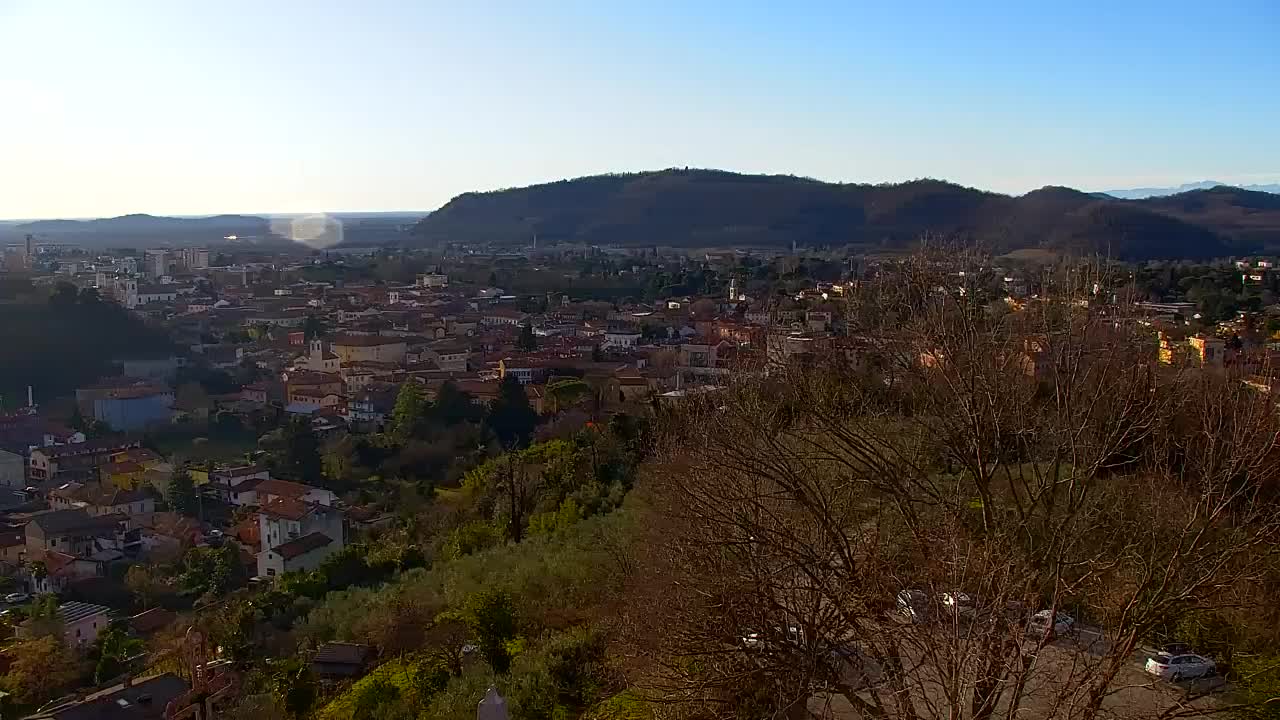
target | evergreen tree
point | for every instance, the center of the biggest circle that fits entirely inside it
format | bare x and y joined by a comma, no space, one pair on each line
527,341
182,493
301,450
511,417
453,406
408,418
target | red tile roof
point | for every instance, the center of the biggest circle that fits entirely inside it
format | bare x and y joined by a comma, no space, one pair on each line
302,545
287,508
282,488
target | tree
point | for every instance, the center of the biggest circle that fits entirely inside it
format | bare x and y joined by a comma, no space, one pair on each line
182,493
42,668
112,651
295,686
491,617
300,450
452,405
212,570
511,417
527,341
1033,461
409,417
42,614
314,327
145,583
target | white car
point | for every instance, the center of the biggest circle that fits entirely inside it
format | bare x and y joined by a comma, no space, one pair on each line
1180,667
15,598
1042,621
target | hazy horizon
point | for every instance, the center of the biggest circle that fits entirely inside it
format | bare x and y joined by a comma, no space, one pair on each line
174,109
1264,180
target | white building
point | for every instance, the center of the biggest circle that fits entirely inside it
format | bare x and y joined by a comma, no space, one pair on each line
621,341
433,280
81,622
297,536
321,358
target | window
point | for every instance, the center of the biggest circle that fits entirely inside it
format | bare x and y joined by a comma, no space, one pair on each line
271,572
77,632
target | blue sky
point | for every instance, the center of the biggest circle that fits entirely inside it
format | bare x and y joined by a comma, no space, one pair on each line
189,106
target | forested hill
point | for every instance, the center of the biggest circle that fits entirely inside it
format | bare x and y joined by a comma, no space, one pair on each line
710,208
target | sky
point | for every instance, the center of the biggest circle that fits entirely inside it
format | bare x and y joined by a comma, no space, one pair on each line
197,107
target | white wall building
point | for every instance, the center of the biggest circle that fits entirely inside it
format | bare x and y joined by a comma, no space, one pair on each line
297,536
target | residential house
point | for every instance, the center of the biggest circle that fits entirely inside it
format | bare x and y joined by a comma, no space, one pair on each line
448,356
61,570
97,500
13,547
74,531
74,462
263,392
299,384
165,535
297,536
127,469
149,622
141,699
262,492
620,340
337,660
371,407
81,623
699,355
1207,350
229,481
498,315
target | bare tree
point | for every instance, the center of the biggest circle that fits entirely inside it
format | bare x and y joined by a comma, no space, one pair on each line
881,543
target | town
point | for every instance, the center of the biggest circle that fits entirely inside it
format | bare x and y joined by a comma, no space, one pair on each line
309,421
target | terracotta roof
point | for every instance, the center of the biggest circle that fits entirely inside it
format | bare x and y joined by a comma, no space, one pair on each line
302,545
283,488
121,467
55,561
287,508
314,378
149,621
367,340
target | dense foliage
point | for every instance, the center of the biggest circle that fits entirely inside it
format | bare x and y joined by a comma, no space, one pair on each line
707,208
71,340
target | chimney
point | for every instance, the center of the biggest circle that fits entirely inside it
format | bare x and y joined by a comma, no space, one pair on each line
30,397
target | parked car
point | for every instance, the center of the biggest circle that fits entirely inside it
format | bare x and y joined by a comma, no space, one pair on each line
15,598
1180,667
1046,621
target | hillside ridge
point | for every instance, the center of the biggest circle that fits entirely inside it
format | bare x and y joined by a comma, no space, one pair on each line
712,208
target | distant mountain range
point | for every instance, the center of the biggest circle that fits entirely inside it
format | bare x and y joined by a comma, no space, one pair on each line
146,224
713,208
151,230
1141,193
